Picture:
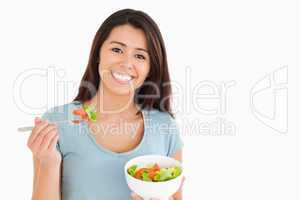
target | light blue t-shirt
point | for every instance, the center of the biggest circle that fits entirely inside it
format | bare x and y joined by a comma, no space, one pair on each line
91,172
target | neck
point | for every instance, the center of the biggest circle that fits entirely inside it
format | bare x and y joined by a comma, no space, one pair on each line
113,106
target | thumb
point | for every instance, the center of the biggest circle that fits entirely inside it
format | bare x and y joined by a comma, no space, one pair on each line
37,120
134,196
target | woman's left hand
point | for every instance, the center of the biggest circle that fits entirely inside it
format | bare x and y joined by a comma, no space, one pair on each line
134,196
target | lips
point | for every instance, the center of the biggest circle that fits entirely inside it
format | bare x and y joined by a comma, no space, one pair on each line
121,78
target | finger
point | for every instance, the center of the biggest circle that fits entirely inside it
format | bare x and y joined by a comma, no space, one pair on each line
37,120
47,139
30,139
48,128
39,139
53,142
134,196
35,131
182,182
39,125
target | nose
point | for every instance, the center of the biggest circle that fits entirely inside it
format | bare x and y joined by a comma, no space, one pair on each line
126,63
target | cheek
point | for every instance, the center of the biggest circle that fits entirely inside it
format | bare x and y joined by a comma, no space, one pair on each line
143,72
142,75
106,59
104,64
103,69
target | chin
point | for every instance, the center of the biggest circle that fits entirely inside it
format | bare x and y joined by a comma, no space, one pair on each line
122,91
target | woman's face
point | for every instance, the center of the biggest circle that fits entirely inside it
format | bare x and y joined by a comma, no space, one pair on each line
124,60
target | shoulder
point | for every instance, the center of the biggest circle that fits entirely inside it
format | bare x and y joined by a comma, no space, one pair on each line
161,120
165,128
160,116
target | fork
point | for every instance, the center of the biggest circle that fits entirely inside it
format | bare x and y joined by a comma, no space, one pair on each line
29,128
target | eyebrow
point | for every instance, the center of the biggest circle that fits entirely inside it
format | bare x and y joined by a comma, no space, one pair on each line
124,45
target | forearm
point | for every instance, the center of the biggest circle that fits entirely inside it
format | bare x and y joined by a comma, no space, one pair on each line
177,195
47,183
35,173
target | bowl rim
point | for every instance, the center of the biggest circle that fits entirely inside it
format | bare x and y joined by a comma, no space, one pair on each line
152,182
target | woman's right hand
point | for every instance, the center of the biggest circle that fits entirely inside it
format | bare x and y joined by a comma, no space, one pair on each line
42,143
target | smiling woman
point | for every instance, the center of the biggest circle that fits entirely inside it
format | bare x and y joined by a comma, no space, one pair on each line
124,63
123,81
132,38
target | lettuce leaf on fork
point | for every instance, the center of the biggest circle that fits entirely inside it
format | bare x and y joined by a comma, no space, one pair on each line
90,112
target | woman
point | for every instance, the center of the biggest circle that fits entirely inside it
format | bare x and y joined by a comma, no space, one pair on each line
127,82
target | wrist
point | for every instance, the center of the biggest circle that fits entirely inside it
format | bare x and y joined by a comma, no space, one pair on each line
44,165
35,160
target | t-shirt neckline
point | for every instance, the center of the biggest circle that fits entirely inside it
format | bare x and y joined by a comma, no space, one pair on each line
103,149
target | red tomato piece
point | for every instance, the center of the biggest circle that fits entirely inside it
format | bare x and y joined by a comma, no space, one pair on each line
139,173
79,112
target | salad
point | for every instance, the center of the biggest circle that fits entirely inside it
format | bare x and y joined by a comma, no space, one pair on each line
85,113
154,173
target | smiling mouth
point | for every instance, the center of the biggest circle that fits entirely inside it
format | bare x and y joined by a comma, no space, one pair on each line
121,77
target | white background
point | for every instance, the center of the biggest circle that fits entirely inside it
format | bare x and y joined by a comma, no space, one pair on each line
218,41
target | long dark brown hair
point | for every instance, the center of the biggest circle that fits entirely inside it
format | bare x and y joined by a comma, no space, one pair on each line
158,74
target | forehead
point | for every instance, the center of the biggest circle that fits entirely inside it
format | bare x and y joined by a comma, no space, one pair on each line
129,35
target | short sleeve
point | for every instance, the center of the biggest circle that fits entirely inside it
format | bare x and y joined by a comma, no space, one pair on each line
48,115
175,142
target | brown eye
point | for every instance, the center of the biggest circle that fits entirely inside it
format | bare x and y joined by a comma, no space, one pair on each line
116,50
139,56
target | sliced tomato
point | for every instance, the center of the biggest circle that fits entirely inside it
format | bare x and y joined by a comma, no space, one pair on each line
153,170
156,167
79,112
139,173
152,173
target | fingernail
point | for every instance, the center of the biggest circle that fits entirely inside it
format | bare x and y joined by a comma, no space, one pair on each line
37,119
133,194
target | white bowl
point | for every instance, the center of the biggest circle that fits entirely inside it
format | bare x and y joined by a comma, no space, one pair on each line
160,190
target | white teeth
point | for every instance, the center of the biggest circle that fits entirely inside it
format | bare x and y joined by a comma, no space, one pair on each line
122,77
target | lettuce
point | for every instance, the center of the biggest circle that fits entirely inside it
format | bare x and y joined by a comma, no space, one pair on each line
131,170
176,172
90,112
145,177
163,174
